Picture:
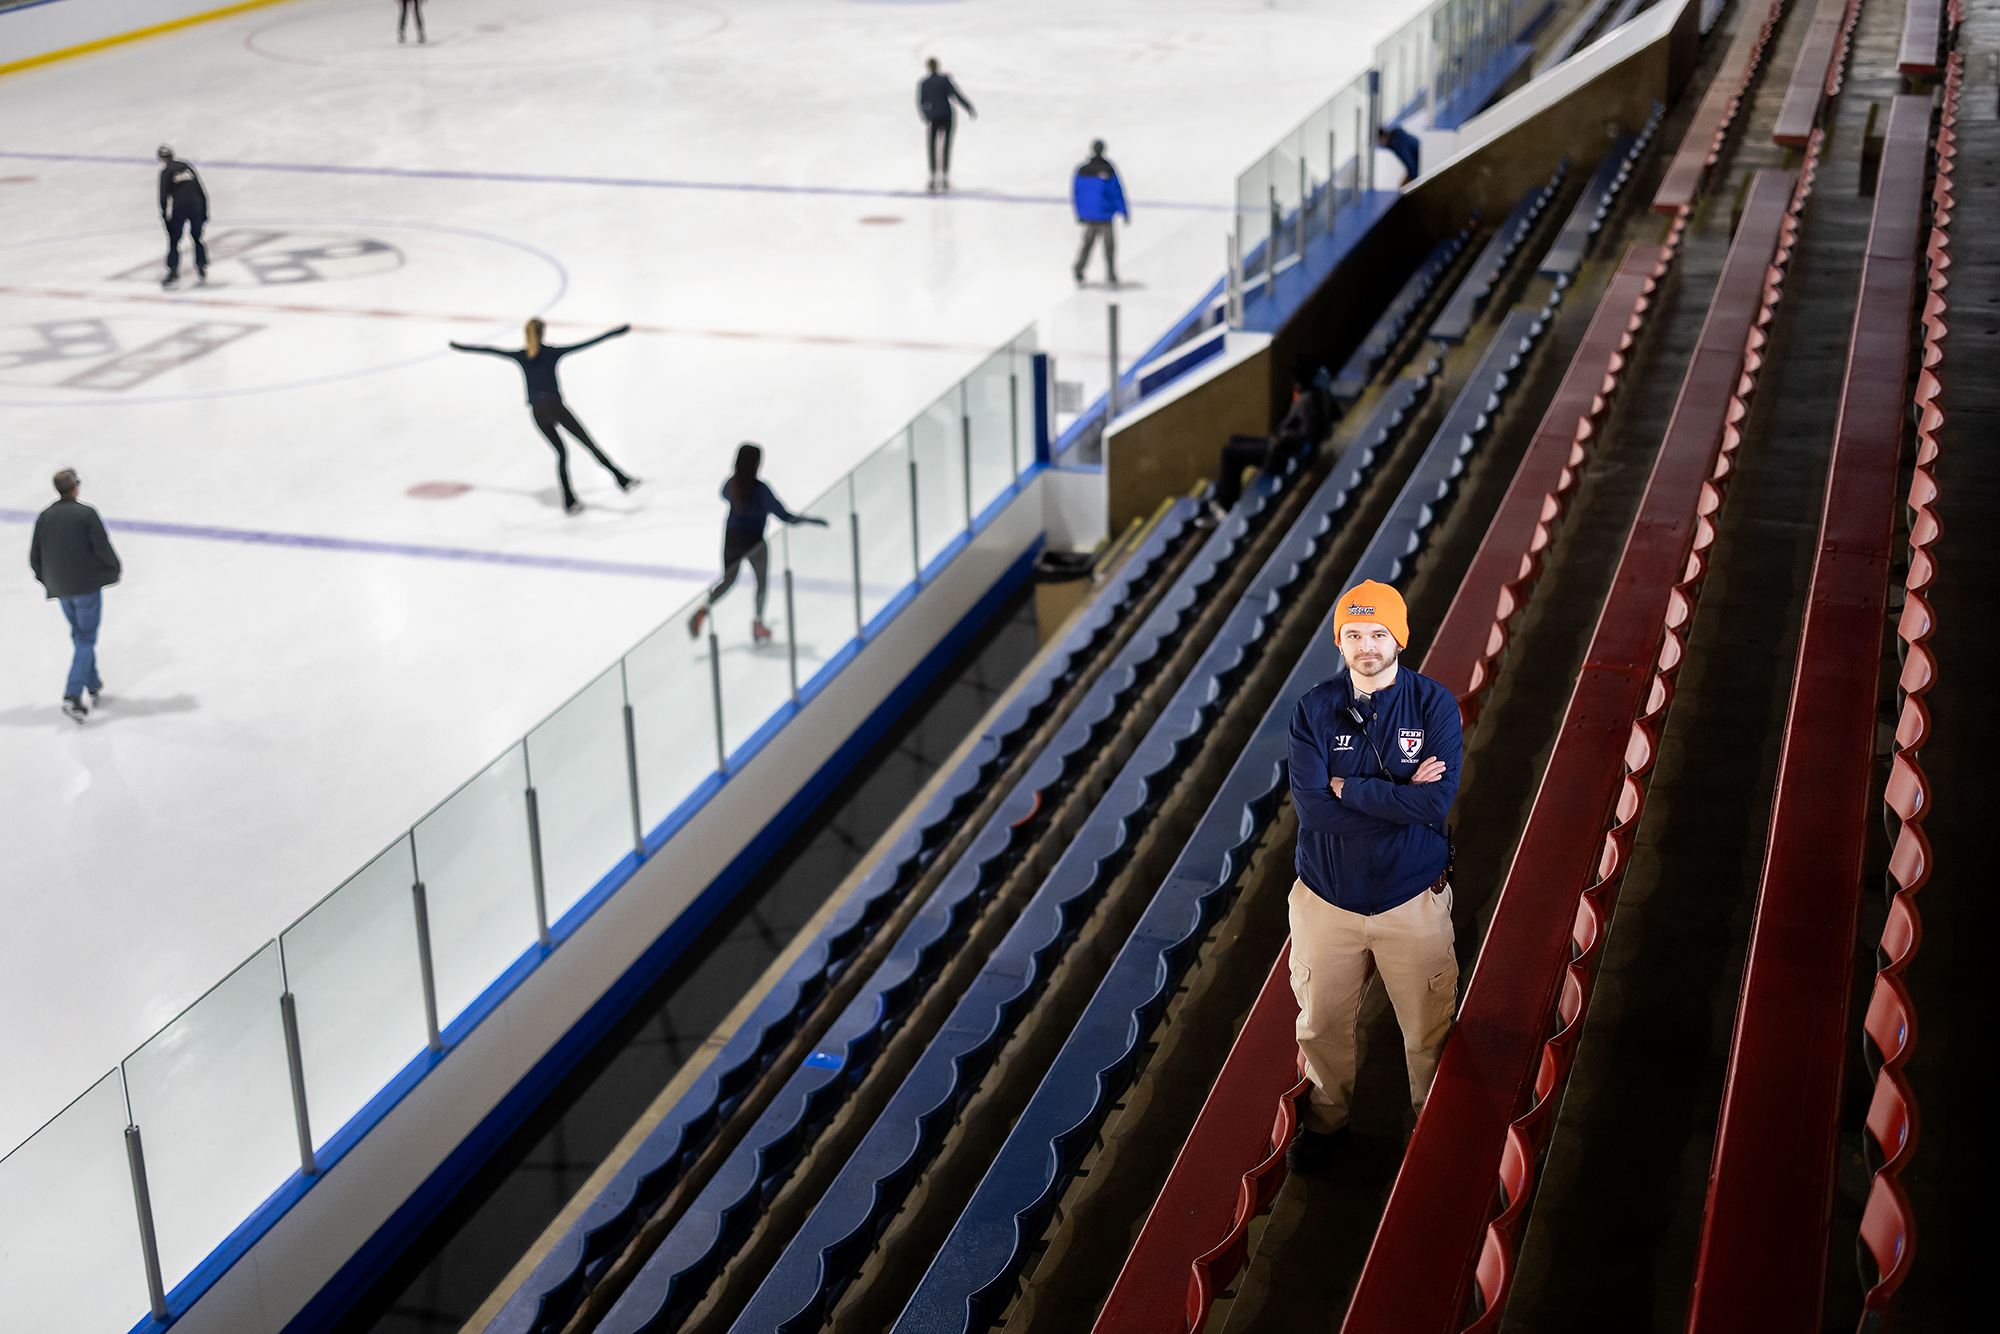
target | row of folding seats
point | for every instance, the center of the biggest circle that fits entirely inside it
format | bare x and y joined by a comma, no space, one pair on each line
670,1151
1382,336
1764,1243
721,1215
1501,1075
1579,231
833,1242
1234,1156
1469,298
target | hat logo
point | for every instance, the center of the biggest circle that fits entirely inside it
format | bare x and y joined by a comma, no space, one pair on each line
1356,609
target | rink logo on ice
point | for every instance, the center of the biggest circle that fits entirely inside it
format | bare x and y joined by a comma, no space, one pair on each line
54,342
274,259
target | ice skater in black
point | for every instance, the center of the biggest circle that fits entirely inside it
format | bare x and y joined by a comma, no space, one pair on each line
934,98
404,8
183,207
538,363
752,504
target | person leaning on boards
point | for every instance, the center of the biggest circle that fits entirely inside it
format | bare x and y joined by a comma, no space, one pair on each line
1375,760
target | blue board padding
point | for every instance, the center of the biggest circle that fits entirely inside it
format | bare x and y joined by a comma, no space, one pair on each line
826,1252
1455,321
972,1277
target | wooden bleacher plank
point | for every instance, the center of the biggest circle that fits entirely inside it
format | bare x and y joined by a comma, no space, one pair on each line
1762,1259
1806,93
1687,172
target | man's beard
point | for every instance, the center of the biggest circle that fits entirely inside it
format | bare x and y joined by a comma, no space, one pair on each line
1371,664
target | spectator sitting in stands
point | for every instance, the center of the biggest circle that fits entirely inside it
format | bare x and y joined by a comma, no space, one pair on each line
1305,425
1405,146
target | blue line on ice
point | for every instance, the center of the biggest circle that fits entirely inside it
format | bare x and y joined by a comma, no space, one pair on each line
638,182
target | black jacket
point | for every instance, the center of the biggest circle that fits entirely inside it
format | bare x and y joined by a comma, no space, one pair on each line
70,553
180,186
936,94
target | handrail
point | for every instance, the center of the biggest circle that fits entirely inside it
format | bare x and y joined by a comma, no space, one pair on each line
1762,1258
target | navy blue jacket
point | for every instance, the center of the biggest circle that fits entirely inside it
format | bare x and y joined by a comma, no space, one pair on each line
934,98
747,518
1407,148
1381,842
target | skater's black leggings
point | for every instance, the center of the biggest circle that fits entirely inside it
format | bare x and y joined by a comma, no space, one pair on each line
940,133
192,221
737,548
403,11
551,413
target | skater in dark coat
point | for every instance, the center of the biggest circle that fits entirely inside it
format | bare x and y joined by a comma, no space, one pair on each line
935,94
183,207
73,561
752,504
538,363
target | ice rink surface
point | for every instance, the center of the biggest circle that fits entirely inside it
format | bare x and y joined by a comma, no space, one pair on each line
741,180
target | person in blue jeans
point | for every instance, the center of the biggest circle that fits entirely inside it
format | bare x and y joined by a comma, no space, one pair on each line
1099,200
72,558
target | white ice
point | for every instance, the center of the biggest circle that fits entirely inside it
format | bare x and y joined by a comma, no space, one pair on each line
275,714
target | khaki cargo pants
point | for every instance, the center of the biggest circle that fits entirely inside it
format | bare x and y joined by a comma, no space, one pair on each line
1412,948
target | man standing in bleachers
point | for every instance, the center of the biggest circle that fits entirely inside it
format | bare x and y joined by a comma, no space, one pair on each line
1375,761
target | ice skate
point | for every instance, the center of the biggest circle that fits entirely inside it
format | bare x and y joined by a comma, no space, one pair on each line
696,621
73,709
760,633
95,691
629,483
170,282
572,507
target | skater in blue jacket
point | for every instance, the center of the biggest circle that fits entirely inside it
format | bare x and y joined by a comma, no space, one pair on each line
1099,200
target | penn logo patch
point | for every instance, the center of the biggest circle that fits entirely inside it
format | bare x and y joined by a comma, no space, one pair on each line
1356,609
1409,742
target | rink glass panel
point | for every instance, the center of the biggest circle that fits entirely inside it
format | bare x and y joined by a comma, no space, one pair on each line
472,855
989,398
673,715
937,443
69,1235
351,966
756,678
211,1094
822,564
576,761
882,510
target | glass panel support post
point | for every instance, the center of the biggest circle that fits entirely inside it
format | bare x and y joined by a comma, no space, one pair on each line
288,1014
632,781
1232,309
149,1240
535,862
791,634
420,901
854,531
1014,413
1299,246
715,694
916,539
965,448
1111,338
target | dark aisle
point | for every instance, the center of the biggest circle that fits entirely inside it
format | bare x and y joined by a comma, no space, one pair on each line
441,1280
